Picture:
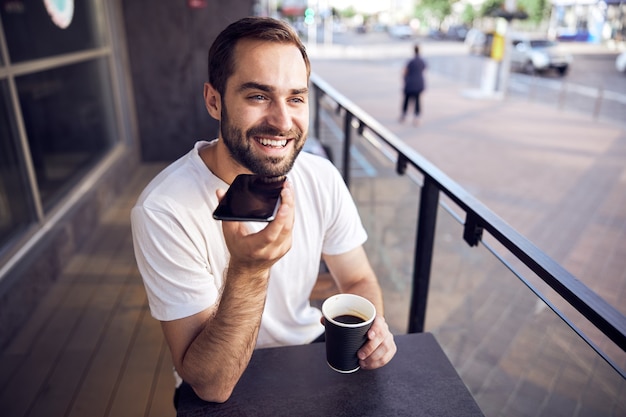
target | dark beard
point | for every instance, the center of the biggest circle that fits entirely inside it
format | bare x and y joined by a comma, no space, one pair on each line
240,147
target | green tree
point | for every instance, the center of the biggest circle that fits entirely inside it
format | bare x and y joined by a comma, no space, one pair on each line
348,13
490,7
537,10
437,9
468,15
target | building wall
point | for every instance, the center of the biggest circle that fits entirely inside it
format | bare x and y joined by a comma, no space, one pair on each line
66,141
168,43
159,54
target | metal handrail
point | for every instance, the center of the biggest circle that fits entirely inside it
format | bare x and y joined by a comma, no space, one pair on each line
478,218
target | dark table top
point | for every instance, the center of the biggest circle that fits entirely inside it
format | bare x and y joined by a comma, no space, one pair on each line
296,381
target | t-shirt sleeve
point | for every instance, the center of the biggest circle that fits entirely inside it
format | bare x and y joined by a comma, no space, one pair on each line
177,276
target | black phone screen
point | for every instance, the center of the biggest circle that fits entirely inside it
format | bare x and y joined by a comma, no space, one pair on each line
251,198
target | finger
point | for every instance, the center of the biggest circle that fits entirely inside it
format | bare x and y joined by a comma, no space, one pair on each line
288,186
381,356
235,228
282,225
379,345
288,201
374,338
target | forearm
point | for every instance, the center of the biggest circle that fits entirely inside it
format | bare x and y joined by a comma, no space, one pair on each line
220,353
354,275
368,288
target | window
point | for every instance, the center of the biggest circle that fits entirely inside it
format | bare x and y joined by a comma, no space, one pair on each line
69,123
16,210
55,82
32,34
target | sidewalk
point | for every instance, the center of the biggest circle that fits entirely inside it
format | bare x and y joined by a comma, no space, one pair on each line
559,178
542,170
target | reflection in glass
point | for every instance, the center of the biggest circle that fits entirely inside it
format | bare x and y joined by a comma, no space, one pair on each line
15,210
31,34
68,115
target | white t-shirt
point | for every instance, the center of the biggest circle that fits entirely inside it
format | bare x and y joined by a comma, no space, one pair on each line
181,253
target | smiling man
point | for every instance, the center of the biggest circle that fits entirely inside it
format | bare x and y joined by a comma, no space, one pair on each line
222,289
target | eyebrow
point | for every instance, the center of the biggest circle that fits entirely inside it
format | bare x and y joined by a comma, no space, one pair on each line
268,88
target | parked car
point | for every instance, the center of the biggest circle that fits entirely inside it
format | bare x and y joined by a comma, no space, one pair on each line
457,32
620,62
539,56
401,31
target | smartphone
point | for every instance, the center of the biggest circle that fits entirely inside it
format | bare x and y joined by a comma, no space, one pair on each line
251,198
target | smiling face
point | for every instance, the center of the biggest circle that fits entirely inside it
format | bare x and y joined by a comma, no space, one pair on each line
264,112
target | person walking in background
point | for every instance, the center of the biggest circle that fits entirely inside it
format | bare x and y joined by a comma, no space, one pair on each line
413,85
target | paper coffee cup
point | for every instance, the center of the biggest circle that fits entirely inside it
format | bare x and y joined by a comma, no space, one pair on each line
348,317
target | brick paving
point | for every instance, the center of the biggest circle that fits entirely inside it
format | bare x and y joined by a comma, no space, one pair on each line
558,177
90,347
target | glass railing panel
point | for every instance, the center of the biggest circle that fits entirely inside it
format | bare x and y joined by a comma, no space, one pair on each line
517,357
515,354
388,205
587,330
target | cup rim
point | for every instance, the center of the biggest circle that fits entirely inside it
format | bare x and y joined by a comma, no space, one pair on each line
364,301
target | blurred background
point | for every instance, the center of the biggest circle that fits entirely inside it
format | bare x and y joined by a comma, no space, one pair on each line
524,109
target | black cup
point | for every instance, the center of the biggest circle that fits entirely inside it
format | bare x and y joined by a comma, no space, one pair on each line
348,317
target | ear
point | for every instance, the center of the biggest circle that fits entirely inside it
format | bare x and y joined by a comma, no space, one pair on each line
212,101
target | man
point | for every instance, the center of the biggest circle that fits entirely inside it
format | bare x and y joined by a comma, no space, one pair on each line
222,289
413,77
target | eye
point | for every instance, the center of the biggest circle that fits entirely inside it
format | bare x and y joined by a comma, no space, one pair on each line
257,97
297,100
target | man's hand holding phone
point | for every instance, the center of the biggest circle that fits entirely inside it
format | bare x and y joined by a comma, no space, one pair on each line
251,198
260,250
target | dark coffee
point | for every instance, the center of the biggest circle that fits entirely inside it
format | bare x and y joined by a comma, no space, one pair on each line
348,319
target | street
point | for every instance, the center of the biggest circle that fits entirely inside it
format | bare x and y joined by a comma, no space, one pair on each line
593,66
592,86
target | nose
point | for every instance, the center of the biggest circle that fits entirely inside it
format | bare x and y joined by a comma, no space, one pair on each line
280,116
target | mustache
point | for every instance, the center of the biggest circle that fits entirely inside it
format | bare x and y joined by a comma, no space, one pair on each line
266,130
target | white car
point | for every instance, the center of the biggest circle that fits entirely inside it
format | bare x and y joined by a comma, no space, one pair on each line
620,62
539,55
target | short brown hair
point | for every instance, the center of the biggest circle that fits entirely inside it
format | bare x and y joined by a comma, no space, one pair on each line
221,53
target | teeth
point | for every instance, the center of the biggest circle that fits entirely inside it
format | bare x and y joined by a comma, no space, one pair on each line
273,143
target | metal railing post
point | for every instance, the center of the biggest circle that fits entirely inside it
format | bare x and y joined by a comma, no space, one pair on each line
316,111
347,143
425,241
